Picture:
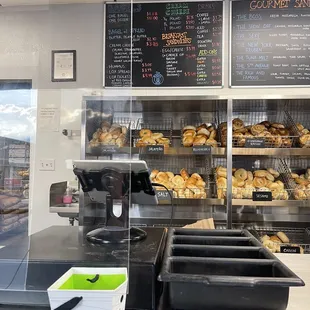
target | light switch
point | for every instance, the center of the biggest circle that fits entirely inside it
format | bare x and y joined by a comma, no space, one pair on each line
47,165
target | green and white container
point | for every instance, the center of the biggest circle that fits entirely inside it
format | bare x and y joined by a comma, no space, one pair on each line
106,291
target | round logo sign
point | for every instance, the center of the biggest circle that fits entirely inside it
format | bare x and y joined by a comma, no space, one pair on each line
157,78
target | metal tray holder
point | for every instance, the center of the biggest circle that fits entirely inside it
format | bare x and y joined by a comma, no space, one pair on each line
251,118
301,115
156,125
276,163
196,120
299,236
192,164
106,148
223,269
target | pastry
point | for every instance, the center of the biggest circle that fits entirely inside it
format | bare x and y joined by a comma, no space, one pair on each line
164,141
299,126
203,131
277,125
211,142
188,141
189,128
266,124
259,182
190,132
154,174
199,140
241,174
221,171
212,134
162,176
184,174
260,173
273,172
275,239
157,135
250,176
170,175
269,177
195,176
257,129
148,140
202,126
237,123
178,181
145,133
200,183
283,237
305,139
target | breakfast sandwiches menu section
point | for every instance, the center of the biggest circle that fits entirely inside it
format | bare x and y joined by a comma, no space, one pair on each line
270,43
173,44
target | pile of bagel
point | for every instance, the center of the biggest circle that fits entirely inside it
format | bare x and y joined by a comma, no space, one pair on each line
244,183
304,139
204,134
182,185
275,134
109,134
147,137
273,243
302,187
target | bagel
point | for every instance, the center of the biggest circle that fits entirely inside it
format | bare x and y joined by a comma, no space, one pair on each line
250,176
178,181
184,174
237,123
196,176
259,182
189,132
154,174
257,129
189,128
274,172
162,177
221,182
221,171
241,174
157,135
203,131
260,173
145,133
188,141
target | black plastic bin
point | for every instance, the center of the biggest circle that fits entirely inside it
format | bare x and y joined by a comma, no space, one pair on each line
223,269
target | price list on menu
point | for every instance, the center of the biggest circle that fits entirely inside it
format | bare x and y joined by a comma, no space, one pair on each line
173,44
270,43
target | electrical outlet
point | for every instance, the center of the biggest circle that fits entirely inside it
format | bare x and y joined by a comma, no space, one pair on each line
47,165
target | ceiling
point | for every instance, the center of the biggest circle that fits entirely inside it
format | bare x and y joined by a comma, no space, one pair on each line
6,3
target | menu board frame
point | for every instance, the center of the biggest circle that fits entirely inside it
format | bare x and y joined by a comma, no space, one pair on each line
163,87
230,59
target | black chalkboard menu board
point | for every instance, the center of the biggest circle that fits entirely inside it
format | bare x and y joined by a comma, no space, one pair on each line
270,43
173,44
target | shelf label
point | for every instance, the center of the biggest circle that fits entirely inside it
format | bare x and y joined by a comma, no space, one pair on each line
163,196
154,149
110,149
262,196
290,249
255,142
202,149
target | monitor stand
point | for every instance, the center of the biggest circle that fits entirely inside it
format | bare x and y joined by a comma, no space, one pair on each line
109,235
116,229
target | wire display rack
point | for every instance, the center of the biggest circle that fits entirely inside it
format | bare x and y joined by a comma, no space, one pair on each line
273,137
301,118
195,164
196,120
156,125
299,178
297,236
245,193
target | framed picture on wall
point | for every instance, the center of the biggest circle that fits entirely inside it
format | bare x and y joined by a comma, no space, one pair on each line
64,66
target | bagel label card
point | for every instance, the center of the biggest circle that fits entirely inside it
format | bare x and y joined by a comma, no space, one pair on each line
262,196
255,143
202,149
163,196
155,149
289,249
